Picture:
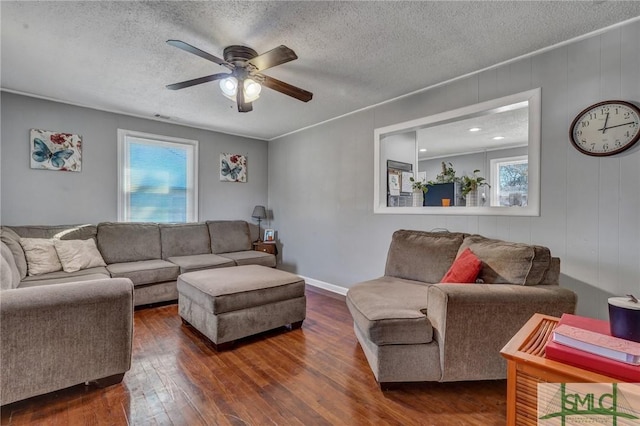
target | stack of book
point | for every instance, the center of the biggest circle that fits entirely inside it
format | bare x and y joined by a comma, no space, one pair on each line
587,343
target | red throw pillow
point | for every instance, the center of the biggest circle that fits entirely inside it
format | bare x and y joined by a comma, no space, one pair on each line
465,269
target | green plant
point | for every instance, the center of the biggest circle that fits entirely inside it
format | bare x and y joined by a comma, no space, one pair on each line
418,186
447,175
471,183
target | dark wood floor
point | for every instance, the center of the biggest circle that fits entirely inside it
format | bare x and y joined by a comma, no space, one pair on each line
316,375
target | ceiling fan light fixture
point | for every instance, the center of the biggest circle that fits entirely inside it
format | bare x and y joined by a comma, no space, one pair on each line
251,90
245,65
229,86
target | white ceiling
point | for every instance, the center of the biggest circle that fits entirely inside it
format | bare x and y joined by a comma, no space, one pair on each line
454,138
113,55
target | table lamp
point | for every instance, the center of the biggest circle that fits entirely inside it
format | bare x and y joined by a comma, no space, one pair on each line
259,212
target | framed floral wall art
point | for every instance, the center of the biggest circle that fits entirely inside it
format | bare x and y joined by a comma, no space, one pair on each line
233,168
56,151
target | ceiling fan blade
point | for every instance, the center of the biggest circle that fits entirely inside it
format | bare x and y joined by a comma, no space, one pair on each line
195,81
191,49
286,88
277,56
242,105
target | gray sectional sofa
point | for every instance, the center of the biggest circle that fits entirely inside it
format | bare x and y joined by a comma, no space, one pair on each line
413,328
53,337
59,329
151,255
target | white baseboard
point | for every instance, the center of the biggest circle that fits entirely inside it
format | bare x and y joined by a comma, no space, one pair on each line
325,286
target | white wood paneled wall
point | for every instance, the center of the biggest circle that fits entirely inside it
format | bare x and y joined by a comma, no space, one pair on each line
590,207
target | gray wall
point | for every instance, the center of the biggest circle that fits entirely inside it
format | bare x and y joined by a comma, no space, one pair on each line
49,197
321,179
400,148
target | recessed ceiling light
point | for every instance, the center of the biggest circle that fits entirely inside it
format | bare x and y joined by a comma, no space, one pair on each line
475,129
497,138
423,149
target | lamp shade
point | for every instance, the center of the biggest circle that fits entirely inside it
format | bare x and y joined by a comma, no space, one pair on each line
229,86
251,90
259,212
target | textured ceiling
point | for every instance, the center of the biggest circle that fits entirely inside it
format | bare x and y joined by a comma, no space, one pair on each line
454,138
113,55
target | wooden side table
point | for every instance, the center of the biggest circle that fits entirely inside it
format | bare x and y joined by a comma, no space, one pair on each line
527,366
266,247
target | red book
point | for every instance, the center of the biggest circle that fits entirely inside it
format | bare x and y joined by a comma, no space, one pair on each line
581,359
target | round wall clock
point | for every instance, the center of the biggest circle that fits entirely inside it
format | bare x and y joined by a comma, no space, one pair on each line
606,128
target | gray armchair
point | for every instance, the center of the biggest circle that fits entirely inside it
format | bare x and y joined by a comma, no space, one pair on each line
412,328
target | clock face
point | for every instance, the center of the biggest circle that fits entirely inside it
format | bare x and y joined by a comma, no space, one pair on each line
606,128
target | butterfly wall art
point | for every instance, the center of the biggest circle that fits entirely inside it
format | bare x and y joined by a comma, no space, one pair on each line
56,151
233,168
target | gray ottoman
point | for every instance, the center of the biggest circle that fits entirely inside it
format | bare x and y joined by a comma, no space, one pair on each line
226,304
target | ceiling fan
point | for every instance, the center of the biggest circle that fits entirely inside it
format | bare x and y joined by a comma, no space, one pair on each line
245,80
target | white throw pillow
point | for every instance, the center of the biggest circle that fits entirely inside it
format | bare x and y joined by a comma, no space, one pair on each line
78,254
41,256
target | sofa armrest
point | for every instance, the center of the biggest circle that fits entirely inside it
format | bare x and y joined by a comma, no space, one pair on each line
59,335
472,323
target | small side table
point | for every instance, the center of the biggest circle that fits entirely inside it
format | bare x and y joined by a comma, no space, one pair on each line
527,366
266,247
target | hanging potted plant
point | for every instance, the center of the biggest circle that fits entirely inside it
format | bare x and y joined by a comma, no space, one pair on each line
470,185
419,189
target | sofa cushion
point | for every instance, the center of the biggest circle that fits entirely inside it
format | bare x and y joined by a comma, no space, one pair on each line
60,232
552,275
129,242
251,257
41,256
145,271
61,274
12,240
198,262
465,269
229,236
390,311
9,274
422,256
75,255
505,262
184,239
62,280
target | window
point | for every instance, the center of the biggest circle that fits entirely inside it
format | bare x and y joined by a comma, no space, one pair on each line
439,135
510,181
157,178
